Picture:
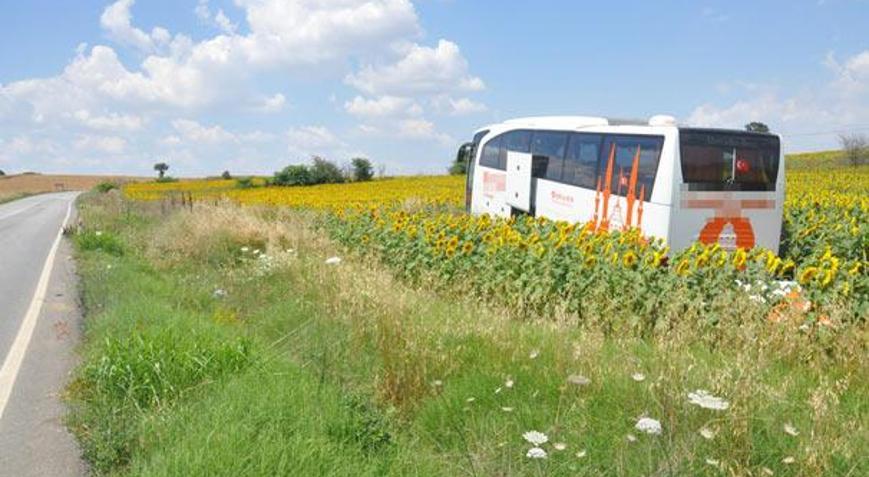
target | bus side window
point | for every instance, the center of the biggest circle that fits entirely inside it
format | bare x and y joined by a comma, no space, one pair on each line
580,167
626,147
515,141
491,153
518,141
550,146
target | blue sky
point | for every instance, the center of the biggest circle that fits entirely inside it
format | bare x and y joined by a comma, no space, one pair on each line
253,85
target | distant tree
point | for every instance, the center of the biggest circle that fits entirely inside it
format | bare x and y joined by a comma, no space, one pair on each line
161,168
855,148
293,175
756,126
460,165
226,175
2,173
325,172
362,169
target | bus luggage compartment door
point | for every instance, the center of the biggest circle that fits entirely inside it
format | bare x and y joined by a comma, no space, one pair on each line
519,181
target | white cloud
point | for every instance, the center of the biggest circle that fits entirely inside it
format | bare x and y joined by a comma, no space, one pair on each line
422,129
194,132
202,11
105,144
808,120
383,106
457,107
271,104
117,21
852,75
309,31
224,23
24,145
313,138
422,70
110,122
172,76
307,141
99,79
220,20
171,140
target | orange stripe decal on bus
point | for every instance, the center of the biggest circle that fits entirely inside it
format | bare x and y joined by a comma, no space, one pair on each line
632,186
608,188
742,229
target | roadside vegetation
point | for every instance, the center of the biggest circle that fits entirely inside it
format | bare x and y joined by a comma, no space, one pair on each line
250,340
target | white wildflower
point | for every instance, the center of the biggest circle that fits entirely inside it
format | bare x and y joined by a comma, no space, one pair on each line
437,383
707,433
648,425
256,252
707,401
578,380
98,233
712,462
244,249
791,430
768,471
536,453
535,437
470,399
498,390
631,438
788,460
219,293
507,409
509,384
534,354
757,298
638,377
333,260
581,454
559,446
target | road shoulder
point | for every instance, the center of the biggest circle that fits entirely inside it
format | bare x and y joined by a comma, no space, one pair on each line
33,437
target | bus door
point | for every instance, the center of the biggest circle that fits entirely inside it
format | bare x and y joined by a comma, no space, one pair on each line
523,169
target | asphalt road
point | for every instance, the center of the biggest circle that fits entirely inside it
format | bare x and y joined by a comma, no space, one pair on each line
40,324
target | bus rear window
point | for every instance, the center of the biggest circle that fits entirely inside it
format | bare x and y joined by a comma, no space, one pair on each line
728,161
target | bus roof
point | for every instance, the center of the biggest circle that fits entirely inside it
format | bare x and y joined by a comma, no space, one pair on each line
579,122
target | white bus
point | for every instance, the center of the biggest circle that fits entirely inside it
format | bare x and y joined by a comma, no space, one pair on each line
676,183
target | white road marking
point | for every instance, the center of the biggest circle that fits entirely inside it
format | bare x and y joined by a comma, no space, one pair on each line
12,364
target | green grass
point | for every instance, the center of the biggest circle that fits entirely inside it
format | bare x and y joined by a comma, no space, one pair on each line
299,368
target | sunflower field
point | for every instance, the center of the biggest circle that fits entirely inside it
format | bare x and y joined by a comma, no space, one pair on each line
417,227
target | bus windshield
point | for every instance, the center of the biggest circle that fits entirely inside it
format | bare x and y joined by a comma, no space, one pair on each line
714,160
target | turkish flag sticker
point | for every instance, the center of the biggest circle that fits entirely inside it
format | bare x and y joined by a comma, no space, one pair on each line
742,166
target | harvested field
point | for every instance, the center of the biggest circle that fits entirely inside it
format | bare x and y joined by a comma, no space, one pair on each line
20,185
